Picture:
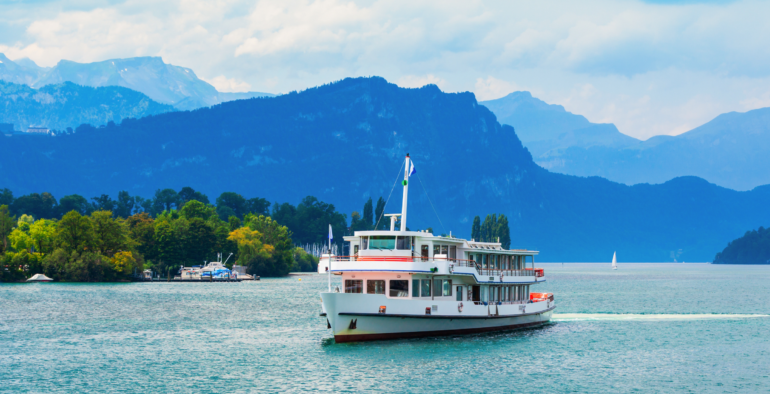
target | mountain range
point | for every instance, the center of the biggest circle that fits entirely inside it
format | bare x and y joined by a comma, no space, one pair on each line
344,142
67,105
164,83
731,150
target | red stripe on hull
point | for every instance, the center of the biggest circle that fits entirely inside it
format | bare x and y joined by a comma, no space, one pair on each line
423,334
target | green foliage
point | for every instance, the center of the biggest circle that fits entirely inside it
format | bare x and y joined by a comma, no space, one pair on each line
378,212
494,229
309,221
278,245
368,217
304,262
476,229
74,233
110,239
752,248
6,226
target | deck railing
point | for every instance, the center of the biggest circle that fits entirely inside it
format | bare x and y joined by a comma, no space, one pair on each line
536,272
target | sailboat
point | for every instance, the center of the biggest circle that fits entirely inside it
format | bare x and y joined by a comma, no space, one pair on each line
614,261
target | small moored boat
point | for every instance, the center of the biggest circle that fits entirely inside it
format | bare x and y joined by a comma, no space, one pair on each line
39,278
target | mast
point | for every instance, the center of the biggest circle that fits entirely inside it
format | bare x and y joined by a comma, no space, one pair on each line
406,192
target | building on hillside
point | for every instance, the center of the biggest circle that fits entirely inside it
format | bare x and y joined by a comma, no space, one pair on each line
38,130
6,128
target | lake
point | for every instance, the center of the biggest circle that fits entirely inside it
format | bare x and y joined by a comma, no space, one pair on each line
644,327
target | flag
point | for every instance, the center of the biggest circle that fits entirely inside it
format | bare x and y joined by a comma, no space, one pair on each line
412,170
331,236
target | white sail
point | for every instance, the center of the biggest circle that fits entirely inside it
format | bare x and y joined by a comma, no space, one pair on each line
614,261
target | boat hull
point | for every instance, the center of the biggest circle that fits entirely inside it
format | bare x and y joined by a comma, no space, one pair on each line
354,326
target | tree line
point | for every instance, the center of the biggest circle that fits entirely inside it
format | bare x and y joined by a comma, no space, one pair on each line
74,239
494,229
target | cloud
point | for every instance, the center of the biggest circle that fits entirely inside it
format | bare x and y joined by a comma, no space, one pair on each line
414,81
646,62
224,84
493,88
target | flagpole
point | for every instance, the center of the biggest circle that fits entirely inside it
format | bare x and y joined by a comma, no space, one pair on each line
330,259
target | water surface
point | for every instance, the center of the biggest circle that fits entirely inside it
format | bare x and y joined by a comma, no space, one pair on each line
644,327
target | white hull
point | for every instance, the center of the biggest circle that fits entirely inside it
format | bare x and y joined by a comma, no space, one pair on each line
355,317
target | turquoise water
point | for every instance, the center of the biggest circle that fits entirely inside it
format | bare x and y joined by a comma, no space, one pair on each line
645,328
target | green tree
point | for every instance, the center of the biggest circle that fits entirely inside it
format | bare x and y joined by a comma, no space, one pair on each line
142,230
378,212
74,233
504,231
124,207
258,206
6,197
200,240
6,225
43,235
38,205
188,194
109,235
476,229
75,203
165,200
169,245
235,202
368,214
103,203
279,238
234,223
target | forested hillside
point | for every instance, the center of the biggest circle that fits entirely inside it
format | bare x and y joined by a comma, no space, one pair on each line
345,142
67,105
752,248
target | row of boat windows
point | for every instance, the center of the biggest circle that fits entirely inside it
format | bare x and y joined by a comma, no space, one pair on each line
497,261
398,288
385,242
439,288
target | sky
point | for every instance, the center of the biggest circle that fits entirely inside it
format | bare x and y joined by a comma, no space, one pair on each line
649,67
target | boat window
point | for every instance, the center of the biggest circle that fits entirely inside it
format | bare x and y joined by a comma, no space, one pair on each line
399,288
459,293
354,286
364,243
404,243
375,287
415,287
445,250
425,288
355,250
436,249
447,288
382,242
424,252
453,252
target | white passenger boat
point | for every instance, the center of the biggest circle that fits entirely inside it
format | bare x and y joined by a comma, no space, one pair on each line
406,284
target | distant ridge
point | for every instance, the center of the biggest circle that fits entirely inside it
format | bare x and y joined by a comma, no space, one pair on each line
68,105
344,142
164,83
727,151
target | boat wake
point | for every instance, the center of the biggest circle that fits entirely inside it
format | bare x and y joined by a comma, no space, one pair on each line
566,317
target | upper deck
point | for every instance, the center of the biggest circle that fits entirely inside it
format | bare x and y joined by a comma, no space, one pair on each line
422,252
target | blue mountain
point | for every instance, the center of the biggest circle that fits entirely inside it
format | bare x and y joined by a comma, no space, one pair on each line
344,142
69,105
729,150
164,83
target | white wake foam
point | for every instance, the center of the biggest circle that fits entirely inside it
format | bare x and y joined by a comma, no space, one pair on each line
565,317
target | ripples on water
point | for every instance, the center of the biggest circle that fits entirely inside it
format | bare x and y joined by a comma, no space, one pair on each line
645,327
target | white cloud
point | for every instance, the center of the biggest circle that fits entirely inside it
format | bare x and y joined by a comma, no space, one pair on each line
648,68
224,84
493,88
415,81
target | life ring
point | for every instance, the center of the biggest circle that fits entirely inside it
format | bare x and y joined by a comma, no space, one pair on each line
460,307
